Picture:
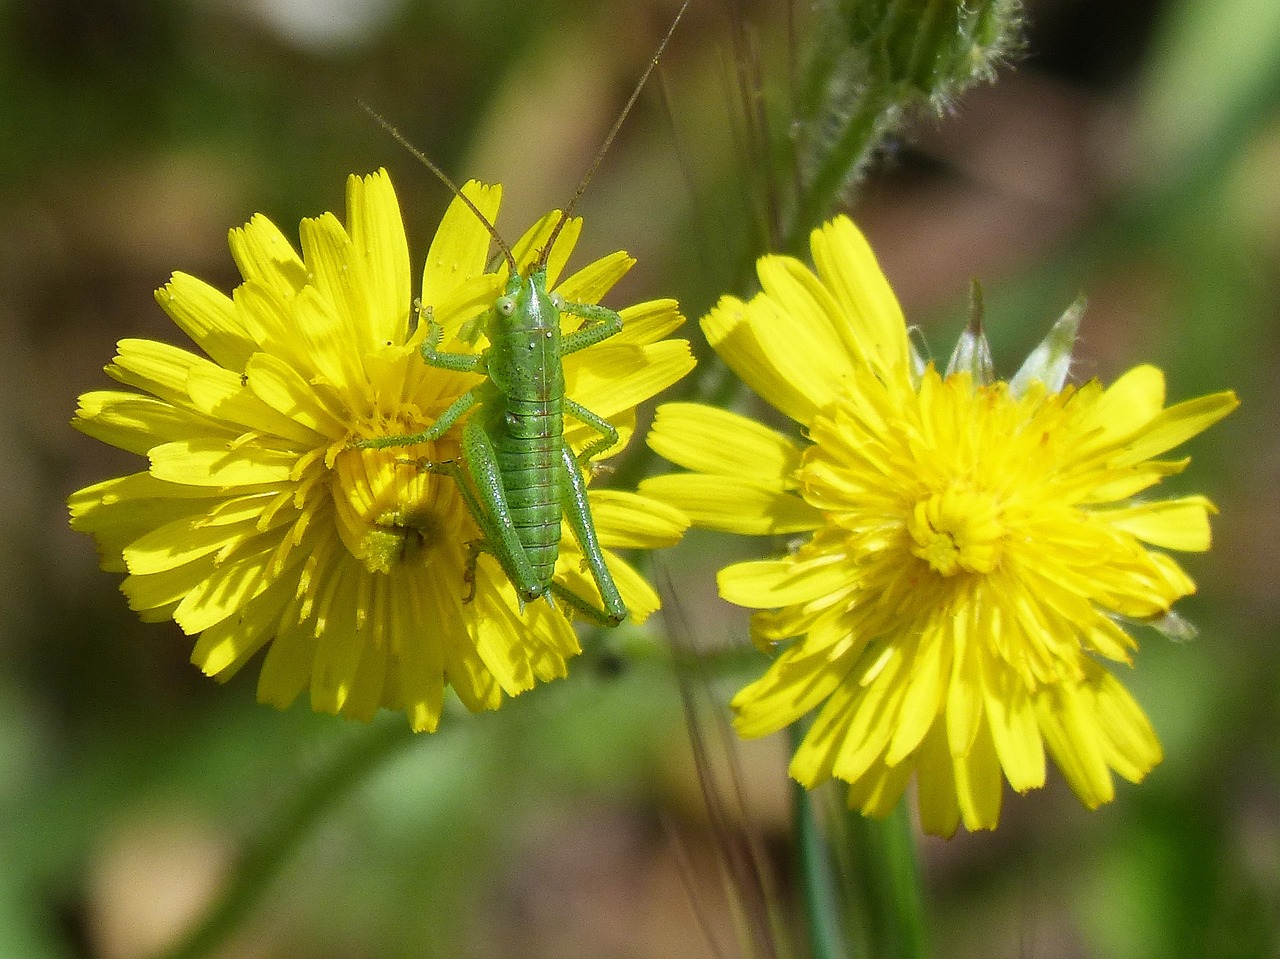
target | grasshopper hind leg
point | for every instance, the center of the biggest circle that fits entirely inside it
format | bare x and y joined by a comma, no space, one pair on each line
573,494
479,483
584,606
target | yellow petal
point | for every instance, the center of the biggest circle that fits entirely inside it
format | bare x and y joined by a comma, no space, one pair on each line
460,249
979,785
205,462
208,316
519,649
264,255
223,648
1127,405
225,590
876,329
765,584
712,440
641,600
936,786
279,386
800,347
877,792
329,255
1014,731
226,396
807,304
739,345
366,692
137,496
871,726
286,669
1132,748
331,346
608,379
1109,486
791,687
1181,524
592,282
964,691
1176,425
649,321
531,245
419,681
160,593
741,506
339,644
629,521
578,435
1072,737
923,700
382,253
158,368
462,305
811,311
182,541
136,423
272,322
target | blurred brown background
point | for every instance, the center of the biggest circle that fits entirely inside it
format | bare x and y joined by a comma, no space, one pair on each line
1131,153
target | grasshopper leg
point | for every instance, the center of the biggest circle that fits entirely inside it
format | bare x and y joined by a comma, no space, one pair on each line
601,324
573,494
482,490
451,415
608,434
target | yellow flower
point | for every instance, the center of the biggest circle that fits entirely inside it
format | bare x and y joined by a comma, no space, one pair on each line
256,523
970,547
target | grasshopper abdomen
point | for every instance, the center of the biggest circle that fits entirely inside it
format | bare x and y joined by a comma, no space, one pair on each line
528,454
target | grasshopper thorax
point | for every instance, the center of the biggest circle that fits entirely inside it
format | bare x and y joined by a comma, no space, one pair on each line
523,359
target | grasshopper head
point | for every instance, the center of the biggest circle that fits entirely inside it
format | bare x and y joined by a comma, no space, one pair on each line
526,304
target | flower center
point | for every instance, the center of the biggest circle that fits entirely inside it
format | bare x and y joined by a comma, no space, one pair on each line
391,510
959,529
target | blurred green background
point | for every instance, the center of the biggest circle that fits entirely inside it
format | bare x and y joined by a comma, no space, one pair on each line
1132,153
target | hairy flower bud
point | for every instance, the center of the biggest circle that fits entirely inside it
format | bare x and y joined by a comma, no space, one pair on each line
934,48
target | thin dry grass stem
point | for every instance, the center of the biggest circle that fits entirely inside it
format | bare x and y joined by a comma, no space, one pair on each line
702,215
749,884
757,142
742,128
697,902
793,92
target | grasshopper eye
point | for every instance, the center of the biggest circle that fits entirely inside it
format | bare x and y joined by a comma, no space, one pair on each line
506,305
557,301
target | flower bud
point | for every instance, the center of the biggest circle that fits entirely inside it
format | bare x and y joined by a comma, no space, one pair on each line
934,48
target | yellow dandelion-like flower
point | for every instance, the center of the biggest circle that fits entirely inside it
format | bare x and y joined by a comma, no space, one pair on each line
257,523
971,546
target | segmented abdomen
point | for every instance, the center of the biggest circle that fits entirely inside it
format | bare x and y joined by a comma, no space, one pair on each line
528,450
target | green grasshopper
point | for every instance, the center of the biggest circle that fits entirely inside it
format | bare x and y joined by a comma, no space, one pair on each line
517,476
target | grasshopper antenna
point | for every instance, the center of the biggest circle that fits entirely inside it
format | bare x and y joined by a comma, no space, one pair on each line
443,177
608,140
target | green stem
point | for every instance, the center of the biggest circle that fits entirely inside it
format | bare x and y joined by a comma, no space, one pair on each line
819,895
262,861
841,164
890,879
